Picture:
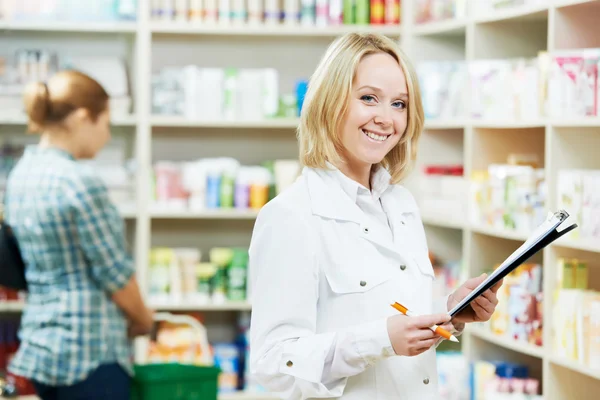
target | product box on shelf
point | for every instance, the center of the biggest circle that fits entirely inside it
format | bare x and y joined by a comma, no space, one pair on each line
444,89
519,313
68,10
439,10
578,191
511,197
305,13
220,183
178,276
442,191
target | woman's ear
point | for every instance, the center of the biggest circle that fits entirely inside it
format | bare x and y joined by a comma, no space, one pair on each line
81,115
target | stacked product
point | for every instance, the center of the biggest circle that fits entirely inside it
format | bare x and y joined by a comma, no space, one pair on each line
509,196
307,13
503,381
519,314
448,275
236,94
557,85
579,193
68,10
445,89
38,64
178,276
220,183
442,191
576,314
439,10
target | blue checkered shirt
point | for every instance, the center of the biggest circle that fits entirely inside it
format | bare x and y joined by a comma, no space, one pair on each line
72,241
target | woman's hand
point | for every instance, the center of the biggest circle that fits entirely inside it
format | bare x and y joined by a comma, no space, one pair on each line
481,309
411,336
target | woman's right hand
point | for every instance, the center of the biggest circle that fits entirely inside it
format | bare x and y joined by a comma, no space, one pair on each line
411,336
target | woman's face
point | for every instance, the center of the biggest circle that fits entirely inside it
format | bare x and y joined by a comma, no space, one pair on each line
377,113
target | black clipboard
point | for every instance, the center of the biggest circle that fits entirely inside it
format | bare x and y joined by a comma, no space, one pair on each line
545,234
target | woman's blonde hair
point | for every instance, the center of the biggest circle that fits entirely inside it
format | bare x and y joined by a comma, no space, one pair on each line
48,104
326,103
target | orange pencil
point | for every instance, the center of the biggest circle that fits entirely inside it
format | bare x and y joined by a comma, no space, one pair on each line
440,331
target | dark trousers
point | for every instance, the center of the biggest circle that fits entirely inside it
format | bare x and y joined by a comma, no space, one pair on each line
109,381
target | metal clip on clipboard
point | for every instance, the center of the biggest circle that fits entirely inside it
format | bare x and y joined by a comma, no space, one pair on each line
542,236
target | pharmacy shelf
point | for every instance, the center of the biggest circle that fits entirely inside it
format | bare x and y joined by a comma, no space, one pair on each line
207,214
568,3
442,222
516,13
60,26
503,124
591,245
195,306
500,233
448,27
508,342
445,124
128,120
576,123
180,122
267,30
575,366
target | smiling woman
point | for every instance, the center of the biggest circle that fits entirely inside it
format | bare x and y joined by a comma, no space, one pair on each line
330,254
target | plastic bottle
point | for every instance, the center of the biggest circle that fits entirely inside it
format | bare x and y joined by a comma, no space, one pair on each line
242,189
213,184
236,283
362,12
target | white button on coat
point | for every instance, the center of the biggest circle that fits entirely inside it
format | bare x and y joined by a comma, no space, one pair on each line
309,257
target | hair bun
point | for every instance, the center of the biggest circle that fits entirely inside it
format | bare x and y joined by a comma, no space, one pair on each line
37,104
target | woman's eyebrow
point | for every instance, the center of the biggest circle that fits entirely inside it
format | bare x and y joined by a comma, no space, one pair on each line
376,89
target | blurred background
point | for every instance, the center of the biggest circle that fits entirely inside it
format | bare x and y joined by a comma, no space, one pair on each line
511,91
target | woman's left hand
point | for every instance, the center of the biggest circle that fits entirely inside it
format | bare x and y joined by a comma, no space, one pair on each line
481,309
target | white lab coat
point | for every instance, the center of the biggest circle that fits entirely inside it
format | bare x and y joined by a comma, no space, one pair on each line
322,282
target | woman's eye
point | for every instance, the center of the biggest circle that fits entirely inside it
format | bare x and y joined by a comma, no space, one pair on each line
399,104
368,98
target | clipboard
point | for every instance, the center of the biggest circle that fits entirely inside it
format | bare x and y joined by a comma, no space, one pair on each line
550,230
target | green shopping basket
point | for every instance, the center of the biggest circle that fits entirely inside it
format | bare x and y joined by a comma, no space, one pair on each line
175,381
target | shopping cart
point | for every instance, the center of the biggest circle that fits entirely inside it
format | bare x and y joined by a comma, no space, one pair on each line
177,381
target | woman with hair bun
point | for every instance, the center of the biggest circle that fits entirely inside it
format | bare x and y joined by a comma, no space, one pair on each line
83,302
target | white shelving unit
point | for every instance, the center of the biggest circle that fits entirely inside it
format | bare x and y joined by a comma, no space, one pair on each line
294,51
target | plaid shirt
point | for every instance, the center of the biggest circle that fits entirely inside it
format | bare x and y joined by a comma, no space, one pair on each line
72,241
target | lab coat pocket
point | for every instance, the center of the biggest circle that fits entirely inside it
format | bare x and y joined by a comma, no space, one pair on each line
351,273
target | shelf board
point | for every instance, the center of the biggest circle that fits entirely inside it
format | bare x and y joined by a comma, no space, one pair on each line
246,396
593,122
11,306
206,214
268,30
130,120
500,233
508,343
448,27
575,366
526,12
568,3
445,124
538,123
179,122
435,220
591,245
229,306
65,26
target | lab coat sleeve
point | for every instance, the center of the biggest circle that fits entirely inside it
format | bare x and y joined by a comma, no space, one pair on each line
287,355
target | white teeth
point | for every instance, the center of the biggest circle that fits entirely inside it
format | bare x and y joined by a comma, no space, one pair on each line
374,136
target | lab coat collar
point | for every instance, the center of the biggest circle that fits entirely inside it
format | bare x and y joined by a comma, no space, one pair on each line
330,200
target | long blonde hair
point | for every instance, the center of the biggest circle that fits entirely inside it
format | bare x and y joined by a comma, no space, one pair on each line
326,103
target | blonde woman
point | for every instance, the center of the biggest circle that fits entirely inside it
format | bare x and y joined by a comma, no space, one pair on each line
82,291
329,254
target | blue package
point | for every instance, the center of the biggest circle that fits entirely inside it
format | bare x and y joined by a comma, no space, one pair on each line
301,88
213,190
